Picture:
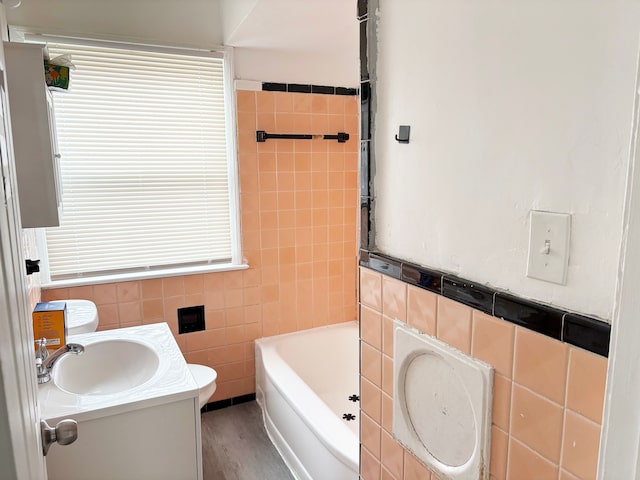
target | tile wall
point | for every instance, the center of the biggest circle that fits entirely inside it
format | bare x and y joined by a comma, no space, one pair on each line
547,400
298,214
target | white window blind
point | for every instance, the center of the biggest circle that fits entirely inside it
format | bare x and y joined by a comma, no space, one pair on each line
144,164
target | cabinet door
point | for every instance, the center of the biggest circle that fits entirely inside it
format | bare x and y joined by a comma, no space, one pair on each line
31,131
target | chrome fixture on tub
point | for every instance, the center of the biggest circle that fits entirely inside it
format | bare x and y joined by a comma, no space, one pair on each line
45,361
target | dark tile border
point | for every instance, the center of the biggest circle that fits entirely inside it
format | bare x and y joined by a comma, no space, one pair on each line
300,88
475,296
228,402
587,333
578,330
536,317
422,277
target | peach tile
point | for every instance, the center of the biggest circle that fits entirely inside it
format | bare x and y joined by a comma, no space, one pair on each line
232,279
386,475
414,469
104,294
151,288
213,282
525,464
153,308
84,292
586,383
564,475
387,375
499,451
371,289
492,341
214,319
108,315
172,286
537,422
454,324
265,101
251,277
501,401
370,468
214,299
392,455
283,101
302,103
387,413
246,100
387,336
371,364
128,291
193,284
370,435
580,446
540,364
371,327
251,296
421,309
394,298
130,312
246,120
370,399
233,316
233,298
336,104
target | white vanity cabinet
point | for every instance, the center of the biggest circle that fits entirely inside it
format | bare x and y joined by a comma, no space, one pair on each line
33,133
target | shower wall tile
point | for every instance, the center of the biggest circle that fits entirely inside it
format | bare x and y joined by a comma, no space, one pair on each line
499,452
492,341
421,310
298,212
580,446
525,464
547,395
540,364
371,435
501,410
454,324
537,422
394,299
586,383
371,327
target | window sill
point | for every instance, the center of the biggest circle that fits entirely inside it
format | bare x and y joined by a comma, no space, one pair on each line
128,277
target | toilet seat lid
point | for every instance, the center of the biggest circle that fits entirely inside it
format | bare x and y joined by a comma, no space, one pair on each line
202,374
82,316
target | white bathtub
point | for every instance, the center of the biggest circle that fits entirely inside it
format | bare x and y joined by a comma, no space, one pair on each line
303,384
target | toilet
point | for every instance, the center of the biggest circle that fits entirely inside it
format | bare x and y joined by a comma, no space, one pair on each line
442,405
205,378
82,316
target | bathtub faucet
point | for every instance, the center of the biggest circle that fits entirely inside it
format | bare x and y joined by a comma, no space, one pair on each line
45,361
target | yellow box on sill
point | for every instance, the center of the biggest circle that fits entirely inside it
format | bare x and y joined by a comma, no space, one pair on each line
49,321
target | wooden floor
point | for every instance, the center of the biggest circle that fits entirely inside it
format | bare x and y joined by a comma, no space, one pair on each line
235,446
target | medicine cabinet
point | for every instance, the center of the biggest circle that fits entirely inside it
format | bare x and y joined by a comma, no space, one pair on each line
34,139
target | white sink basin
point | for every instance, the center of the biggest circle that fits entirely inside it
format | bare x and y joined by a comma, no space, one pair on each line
106,367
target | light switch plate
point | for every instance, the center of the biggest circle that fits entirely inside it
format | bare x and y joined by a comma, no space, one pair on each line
549,237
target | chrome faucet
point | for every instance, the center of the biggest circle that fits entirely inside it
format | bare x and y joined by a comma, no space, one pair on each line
45,361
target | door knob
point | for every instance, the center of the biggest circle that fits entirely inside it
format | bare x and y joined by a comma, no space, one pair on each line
64,433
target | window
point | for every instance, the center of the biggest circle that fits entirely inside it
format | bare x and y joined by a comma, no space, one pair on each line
146,177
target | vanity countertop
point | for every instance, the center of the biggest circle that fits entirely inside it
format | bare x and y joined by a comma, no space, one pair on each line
172,381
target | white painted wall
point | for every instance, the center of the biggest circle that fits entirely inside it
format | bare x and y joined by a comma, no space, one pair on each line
293,41
290,41
232,14
316,68
513,106
191,23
